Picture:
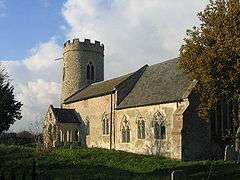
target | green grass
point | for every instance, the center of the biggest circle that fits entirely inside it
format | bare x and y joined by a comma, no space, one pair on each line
95,162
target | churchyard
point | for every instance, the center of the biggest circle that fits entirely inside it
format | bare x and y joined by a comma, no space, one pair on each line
18,161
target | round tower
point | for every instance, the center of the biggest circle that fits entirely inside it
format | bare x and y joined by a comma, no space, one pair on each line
83,64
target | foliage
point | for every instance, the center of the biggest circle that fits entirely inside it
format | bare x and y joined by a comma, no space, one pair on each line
211,54
9,106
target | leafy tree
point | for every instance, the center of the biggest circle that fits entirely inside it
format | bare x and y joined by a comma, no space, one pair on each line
211,54
9,107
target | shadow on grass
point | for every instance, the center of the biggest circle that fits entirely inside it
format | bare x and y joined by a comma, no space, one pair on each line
97,172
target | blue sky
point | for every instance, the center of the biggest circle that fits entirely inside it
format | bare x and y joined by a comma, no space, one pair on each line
29,22
134,33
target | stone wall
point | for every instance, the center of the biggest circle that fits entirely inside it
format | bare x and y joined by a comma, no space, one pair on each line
169,147
92,110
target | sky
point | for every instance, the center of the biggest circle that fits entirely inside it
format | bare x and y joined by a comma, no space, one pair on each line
134,32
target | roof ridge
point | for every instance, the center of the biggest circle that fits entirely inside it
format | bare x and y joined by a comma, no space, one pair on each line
173,59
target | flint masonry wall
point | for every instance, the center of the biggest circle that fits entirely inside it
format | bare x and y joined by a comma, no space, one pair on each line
76,56
92,110
169,147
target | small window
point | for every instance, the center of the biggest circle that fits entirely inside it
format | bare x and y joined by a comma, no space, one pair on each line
125,130
159,126
159,130
87,128
141,129
88,72
126,134
105,124
92,73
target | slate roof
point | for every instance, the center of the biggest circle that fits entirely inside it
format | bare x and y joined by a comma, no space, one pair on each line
65,115
96,89
160,83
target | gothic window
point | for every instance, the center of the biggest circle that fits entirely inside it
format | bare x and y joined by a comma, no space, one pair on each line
222,118
141,129
90,72
159,126
105,124
87,127
125,130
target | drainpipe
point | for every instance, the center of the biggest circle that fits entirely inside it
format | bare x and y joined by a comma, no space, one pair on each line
111,119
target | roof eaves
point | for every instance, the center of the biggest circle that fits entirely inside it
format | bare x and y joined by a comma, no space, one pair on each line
76,92
89,97
147,104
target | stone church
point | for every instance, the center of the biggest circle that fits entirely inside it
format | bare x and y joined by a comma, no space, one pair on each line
149,111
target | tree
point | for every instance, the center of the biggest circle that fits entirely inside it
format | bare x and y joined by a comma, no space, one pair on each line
9,106
211,54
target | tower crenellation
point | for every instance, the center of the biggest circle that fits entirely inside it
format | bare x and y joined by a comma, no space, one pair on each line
83,64
87,45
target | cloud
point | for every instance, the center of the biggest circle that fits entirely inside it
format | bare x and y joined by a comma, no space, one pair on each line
3,8
134,32
37,82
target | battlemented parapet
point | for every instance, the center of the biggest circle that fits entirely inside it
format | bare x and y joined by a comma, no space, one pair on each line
76,44
83,64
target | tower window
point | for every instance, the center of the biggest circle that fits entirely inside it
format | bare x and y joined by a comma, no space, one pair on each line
90,72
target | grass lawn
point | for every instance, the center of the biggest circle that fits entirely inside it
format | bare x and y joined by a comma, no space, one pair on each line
95,163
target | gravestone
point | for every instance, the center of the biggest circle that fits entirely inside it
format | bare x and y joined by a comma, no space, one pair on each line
178,175
230,153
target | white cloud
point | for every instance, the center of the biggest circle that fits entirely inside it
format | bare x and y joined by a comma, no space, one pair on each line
3,8
134,32
37,82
